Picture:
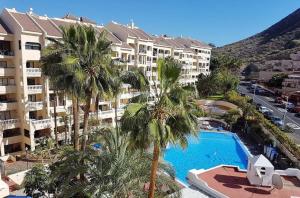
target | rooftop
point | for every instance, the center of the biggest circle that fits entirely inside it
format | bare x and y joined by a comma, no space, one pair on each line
234,183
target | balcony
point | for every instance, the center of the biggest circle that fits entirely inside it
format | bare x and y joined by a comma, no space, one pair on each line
142,51
35,89
8,105
9,124
129,95
6,53
7,71
40,124
33,72
33,106
7,89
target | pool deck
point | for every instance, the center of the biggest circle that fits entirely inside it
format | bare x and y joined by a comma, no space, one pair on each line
234,183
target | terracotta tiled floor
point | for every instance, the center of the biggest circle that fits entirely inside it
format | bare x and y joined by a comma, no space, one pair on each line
234,184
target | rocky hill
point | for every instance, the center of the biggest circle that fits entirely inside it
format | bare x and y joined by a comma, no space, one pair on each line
275,43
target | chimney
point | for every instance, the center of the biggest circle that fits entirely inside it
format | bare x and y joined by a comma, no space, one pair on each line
30,11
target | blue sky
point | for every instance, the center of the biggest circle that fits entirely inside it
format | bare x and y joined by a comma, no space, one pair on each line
216,21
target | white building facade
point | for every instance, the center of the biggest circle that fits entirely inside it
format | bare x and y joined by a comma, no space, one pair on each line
26,98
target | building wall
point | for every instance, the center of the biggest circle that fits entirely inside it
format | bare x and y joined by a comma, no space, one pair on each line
31,112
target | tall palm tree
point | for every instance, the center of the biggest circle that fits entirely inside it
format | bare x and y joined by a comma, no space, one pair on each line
84,55
134,78
170,119
58,68
92,55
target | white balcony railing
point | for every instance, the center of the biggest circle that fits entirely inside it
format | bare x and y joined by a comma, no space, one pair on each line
35,105
41,124
9,124
34,72
7,89
33,89
7,71
8,106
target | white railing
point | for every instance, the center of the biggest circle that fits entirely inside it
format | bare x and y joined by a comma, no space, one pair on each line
35,105
8,105
34,71
35,88
10,121
43,121
8,88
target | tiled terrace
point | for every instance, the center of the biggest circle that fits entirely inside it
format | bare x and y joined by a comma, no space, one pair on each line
234,184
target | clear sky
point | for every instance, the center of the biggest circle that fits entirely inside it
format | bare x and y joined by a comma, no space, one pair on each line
216,21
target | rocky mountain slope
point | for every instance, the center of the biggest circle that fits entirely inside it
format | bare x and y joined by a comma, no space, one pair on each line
275,43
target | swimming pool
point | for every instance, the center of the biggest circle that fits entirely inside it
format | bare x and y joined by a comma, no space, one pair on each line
208,150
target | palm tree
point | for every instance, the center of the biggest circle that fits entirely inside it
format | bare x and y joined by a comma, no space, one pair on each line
115,171
134,78
170,119
91,53
58,68
82,56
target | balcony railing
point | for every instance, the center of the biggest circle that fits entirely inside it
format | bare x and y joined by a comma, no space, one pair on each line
6,53
8,105
35,105
7,89
34,72
144,51
9,124
7,71
41,124
35,88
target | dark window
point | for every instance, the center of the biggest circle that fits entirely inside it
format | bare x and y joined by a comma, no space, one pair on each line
26,133
4,45
11,148
32,98
20,45
5,115
11,132
30,81
30,64
32,46
3,64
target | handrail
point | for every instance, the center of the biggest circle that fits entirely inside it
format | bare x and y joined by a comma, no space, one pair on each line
9,121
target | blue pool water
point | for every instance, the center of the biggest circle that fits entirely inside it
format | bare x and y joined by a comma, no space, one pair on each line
208,150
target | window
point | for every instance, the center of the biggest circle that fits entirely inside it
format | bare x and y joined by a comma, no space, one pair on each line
32,98
26,133
3,64
11,148
5,115
30,64
32,46
4,81
11,132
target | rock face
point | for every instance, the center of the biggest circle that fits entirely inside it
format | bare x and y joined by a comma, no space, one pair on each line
275,43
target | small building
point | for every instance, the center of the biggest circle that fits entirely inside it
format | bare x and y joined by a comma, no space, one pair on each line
260,171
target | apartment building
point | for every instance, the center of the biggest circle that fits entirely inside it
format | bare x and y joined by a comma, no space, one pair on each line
27,99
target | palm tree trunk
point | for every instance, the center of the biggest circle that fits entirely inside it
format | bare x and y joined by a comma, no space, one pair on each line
55,118
153,170
116,112
85,121
75,102
66,128
97,107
